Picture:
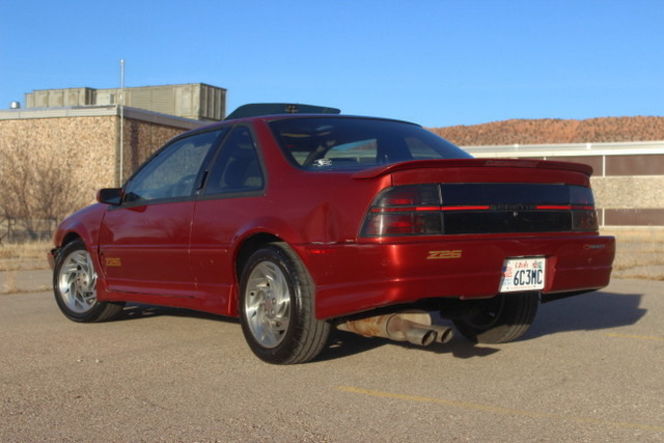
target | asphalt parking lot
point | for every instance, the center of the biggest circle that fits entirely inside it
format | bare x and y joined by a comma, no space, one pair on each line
590,369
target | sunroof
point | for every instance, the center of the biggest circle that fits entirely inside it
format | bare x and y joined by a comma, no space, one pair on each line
257,109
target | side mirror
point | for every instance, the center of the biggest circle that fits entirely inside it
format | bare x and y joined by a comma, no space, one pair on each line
110,196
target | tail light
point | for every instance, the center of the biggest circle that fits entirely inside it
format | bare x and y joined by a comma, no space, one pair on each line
584,219
435,209
405,210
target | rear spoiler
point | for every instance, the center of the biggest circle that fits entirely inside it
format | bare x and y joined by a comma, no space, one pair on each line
258,109
471,162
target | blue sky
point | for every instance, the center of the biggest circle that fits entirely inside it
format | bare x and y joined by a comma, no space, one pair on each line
438,63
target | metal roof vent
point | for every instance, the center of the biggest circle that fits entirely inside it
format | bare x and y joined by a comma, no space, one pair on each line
15,105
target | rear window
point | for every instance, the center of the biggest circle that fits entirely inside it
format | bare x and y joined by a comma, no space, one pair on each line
334,143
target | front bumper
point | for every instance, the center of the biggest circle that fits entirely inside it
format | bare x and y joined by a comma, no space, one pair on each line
352,278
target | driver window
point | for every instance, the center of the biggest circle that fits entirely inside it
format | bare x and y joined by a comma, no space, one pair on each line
172,173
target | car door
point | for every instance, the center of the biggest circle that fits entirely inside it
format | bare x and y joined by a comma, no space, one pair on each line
228,202
144,242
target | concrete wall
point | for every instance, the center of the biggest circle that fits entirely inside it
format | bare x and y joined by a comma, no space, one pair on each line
629,192
630,200
193,100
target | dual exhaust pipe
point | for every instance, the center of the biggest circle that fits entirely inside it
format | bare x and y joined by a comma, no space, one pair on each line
413,327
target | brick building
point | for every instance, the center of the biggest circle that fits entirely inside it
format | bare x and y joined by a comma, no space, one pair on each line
86,123
89,138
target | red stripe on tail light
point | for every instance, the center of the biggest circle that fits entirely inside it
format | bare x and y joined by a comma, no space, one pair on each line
433,208
407,209
466,208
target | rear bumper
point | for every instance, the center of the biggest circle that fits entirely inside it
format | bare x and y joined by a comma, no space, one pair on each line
355,277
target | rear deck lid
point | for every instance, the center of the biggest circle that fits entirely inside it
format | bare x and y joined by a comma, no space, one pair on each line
473,196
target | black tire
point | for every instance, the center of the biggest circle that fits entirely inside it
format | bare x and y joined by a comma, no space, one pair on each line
501,319
74,286
276,307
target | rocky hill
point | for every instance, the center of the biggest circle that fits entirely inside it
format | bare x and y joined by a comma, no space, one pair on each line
541,131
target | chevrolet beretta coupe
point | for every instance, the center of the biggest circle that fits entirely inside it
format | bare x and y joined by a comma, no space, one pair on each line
298,220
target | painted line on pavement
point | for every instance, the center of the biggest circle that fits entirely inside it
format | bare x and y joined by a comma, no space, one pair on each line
496,409
637,337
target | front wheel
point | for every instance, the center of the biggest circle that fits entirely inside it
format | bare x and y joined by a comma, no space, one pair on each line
501,319
277,307
75,286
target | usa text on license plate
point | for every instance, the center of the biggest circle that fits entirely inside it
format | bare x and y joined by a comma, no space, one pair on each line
523,274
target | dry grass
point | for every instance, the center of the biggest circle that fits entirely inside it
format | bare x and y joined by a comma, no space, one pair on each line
9,283
24,256
639,252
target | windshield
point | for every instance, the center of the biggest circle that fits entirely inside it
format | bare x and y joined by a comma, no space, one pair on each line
336,143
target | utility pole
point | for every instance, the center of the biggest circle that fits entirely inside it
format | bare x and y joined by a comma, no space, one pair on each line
121,104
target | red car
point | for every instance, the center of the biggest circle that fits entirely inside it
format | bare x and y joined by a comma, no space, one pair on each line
299,223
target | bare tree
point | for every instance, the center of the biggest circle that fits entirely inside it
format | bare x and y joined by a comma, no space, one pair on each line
36,192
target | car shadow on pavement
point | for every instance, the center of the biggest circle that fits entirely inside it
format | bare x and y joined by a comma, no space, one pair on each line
138,311
345,344
592,311
341,344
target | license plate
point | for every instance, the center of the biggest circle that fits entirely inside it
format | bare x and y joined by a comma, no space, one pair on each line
523,274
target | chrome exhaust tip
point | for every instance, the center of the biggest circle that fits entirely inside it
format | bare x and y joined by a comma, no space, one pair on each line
413,327
420,336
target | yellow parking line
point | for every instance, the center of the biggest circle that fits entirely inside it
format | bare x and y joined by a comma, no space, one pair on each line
496,409
637,337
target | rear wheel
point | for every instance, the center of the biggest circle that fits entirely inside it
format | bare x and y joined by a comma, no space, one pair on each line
75,286
277,307
501,319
